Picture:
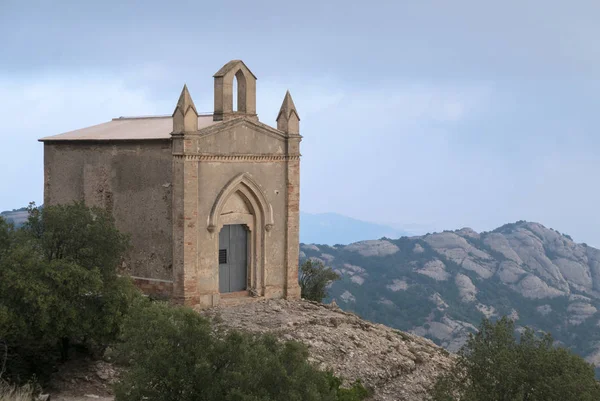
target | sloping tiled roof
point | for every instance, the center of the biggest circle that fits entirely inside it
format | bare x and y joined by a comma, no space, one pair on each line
128,129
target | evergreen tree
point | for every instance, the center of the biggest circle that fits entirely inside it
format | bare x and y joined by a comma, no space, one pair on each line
314,279
494,366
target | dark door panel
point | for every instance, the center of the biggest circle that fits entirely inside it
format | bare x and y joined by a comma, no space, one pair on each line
224,259
238,265
233,258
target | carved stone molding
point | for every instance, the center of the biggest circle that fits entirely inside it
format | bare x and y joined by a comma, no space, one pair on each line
238,158
243,179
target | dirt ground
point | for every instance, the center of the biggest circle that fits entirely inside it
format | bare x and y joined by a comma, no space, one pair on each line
82,379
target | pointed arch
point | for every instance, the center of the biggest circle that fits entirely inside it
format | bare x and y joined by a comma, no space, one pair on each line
239,82
246,184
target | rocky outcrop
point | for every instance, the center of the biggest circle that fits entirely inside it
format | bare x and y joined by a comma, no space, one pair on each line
394,364
452,334
397,285
466,288
460,251
434,269
17,217
373,248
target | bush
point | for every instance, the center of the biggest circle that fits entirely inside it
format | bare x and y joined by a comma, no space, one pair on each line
314,279
494,366
59,286
171,354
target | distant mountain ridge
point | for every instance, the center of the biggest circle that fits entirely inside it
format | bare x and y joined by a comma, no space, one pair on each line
440,285
333,228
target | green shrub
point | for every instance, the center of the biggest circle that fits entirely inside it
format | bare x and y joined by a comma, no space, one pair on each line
356,392
494,366
172,354
59,286
314,278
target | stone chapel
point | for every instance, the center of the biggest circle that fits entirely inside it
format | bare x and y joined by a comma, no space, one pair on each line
210,201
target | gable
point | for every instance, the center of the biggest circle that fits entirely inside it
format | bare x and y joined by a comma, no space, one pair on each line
241,137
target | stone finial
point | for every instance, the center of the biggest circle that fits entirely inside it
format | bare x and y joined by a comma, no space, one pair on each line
288,120
185,116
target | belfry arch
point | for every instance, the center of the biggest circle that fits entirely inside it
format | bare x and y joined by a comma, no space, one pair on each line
224,92
240,92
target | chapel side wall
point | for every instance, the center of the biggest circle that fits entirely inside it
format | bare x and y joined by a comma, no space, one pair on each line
133,181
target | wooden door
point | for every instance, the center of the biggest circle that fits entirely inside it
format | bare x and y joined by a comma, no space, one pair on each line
233,258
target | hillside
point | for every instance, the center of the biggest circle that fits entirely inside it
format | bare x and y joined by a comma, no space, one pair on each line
440,285
396,365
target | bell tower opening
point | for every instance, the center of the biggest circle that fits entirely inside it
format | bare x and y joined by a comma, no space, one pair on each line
239,86
235,95
235,92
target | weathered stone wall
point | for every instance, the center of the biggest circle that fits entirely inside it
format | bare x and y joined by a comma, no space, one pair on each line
158,288
133,181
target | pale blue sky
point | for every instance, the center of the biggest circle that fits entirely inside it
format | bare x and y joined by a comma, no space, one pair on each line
435,114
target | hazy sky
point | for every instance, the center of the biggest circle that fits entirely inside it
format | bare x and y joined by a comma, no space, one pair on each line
436,114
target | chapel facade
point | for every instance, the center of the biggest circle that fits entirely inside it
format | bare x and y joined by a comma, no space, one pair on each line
210,201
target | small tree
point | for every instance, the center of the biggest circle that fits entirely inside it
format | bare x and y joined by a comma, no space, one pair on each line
171,354
314,279
493,366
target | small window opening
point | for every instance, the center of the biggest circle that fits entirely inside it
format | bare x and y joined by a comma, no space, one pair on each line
222,256
239,92
235,93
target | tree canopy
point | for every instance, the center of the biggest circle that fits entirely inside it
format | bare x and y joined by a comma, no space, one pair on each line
171,354
59,286
314,278
494,366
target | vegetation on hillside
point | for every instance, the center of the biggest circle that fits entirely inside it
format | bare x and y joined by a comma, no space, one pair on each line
59,287
314,278
59,290
494,366
171,354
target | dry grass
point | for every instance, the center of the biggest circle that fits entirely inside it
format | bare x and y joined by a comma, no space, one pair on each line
14,393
